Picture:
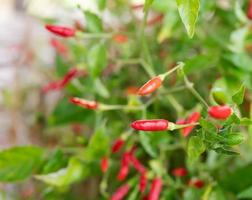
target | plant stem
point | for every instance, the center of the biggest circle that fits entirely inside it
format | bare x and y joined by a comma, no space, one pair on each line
190,87
164,75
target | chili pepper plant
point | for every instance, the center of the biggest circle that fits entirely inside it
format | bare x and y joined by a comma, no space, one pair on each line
157,107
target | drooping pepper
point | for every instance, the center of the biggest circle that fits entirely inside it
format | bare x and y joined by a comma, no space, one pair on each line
220,112
156,187
92,105
104,164
61,30
120,193
150,125
150,86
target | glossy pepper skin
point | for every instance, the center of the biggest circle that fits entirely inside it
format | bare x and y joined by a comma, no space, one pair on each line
179,172
117,145
220,112
120,193
137,164
150,86
104,164
193,118
142,183
155,190
249,10
92,105
61,30
150,125
124,170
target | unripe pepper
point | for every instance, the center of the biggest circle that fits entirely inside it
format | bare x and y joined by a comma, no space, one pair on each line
150,125
249,10
150,86
155,190
104,164
117,145
92,105
179,172
120,193
193,118
220,112
61,30
120,38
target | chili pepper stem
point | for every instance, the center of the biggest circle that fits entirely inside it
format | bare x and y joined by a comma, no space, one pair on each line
173,126
190,87
164,75
104,107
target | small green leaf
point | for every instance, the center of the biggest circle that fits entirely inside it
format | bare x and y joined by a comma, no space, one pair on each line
18,163
239,96
233,119
245,194
207,126
55,162
98,145
245,121
145,141
97,59
72,173
233,139
188,11
94,23
102,91
147,4
195,148
222,150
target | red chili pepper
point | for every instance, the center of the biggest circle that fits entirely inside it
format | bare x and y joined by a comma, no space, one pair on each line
249,10
220,112
51,86
61,30
193,118
132,90
59,47
142,182
92,105
137,6
137,164
124,170
104,164
179,172
155,20
155,190
117,145
196,183
150,125
68,77
150,86
120,38
120,193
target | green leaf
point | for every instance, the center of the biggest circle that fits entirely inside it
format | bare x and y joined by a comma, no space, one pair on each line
245,121
18,163
188,11
145,141
239,96
233,119
101,4
94,23
237,40
147,4
245,194
195,148
207,126
240,60
233,139
74,172
98,145
97,59
56,161
222,150
102,91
